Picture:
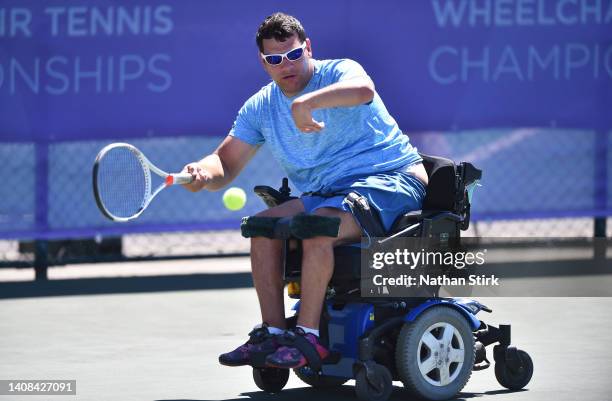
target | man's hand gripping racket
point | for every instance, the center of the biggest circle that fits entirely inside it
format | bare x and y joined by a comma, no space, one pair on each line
122,182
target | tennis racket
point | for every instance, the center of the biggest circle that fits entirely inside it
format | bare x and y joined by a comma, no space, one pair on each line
122,182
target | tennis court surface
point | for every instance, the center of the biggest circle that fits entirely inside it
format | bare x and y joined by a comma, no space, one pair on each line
153,331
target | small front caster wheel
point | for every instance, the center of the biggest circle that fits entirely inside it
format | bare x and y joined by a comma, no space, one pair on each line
517,377
377,387
270,380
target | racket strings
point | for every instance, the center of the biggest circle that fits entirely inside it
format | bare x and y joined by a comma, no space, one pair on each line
123,182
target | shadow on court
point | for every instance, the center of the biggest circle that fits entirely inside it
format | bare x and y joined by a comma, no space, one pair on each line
124,285
342,393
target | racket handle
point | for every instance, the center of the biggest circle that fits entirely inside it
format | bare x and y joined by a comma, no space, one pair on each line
179,178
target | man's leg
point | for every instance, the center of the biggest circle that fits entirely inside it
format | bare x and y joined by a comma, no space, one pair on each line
318,265
267,277
317,269
267,270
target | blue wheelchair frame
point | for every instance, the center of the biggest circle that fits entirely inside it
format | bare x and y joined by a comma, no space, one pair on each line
357,321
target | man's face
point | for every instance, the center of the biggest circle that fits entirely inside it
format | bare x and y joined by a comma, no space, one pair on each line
290,76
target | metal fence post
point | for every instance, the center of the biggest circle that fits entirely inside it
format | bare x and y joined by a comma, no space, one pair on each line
41,261
601,192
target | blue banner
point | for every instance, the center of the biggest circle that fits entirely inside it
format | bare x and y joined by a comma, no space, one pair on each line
522,88
108,69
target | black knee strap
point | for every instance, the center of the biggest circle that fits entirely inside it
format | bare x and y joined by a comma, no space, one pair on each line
306,226
254,226
295,339
302,226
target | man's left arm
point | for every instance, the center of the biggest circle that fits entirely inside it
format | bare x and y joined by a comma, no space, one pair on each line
346,93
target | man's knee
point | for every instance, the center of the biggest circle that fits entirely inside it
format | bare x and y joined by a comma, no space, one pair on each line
258,243
317,244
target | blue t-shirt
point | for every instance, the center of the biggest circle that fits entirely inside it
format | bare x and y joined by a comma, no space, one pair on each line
356,141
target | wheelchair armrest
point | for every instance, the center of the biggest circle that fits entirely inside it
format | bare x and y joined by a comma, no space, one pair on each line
273,197
412,221
416,216
437,215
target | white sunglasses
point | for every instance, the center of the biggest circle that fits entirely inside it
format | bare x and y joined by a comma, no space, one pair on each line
291,55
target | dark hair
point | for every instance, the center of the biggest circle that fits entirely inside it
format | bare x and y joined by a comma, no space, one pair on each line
279,26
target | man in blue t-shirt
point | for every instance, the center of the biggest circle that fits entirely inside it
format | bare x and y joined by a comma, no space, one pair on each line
328,128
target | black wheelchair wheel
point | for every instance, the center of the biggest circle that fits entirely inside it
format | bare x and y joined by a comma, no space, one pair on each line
378,390
270,380
315,380
514,379
435,353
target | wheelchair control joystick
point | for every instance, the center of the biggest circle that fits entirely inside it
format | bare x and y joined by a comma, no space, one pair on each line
284,189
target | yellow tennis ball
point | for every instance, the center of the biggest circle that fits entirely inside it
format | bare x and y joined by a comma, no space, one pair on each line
234,198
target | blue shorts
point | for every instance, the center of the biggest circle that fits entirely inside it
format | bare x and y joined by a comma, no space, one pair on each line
391,193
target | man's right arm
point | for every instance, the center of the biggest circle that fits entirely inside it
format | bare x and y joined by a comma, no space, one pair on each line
218,169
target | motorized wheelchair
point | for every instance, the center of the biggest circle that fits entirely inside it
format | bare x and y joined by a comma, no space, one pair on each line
429,344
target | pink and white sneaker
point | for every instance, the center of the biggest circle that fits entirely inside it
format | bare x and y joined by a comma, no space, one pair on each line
261,342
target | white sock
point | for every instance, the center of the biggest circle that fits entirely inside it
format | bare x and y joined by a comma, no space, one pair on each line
271,329
275,330
308,330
